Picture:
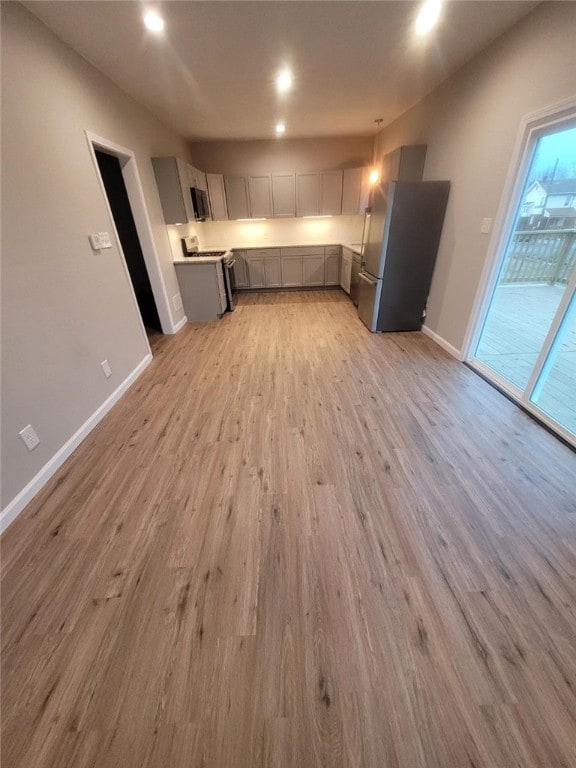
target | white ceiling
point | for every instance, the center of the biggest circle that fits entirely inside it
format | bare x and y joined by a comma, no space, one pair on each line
210,75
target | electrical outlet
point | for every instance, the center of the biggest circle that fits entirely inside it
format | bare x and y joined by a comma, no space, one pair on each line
106,368
95,242
485,226
105,241
177,301
29,437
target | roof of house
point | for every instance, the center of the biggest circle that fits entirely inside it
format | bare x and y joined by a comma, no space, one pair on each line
560,187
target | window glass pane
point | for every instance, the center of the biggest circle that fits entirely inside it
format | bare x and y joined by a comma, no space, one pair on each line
539,259
555,392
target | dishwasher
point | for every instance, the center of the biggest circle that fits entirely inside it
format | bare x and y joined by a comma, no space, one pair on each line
354,277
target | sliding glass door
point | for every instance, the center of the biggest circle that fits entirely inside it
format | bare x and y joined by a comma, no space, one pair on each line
527,340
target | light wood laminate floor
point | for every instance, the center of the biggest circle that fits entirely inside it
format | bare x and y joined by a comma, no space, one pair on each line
295,543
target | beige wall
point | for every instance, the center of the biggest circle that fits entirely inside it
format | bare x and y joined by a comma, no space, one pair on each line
64,308
283,155
470,124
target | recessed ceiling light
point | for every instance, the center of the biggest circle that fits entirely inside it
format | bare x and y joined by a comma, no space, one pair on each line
428,16
280,128
284,81
154,21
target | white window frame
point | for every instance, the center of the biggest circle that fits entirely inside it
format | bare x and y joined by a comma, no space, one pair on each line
532,127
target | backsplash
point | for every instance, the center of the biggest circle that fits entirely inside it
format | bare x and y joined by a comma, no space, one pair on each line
297,231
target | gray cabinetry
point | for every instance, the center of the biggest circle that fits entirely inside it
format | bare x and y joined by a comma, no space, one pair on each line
217,195
355,191
273,272
332,265
255,265
331,193
173,182
240,270
237,197
313,269
260,196
308,194
291,271
202,290
284,195
346,270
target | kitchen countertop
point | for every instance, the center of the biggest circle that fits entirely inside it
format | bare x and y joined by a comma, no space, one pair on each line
202,259
356,248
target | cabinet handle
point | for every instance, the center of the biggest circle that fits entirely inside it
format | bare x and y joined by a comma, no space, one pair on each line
363,276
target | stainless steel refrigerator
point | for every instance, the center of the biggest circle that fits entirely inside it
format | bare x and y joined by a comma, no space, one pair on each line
403,229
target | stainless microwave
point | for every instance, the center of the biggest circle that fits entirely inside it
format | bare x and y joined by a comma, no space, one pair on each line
200,204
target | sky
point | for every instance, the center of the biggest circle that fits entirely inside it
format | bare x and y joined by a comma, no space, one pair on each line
559,147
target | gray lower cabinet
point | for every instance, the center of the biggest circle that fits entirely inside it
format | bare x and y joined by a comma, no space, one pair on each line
313,269
202,290
332,270
291,271
256,276
240,270
273,272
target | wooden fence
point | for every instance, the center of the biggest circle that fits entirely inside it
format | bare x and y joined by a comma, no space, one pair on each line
540,257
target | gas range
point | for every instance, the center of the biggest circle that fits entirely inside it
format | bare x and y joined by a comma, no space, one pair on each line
205,254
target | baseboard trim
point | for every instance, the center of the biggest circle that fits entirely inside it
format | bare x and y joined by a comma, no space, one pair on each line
13,509
179,325
442,342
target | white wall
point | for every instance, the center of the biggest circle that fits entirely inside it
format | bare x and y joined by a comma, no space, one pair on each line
64,309
470,124
239,234
271,156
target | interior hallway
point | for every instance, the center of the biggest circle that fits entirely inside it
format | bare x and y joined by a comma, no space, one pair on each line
295,543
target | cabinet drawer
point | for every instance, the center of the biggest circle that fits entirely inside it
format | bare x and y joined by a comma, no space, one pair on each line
304,250
262,253
332,250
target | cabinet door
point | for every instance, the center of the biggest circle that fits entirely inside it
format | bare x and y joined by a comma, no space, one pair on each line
331,193
355,191
313,270
237,197
240,270
217,196
273,272
171,180
291,271
308,194
332,270
346,270
260,193
284,194
256,272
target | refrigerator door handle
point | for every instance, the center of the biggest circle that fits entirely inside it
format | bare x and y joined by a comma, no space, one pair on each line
370,281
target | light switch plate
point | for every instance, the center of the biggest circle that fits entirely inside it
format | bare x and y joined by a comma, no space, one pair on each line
105,241
106,368
486,226
30,438
95,242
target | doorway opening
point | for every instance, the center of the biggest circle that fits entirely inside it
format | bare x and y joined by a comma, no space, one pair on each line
525,340
119,202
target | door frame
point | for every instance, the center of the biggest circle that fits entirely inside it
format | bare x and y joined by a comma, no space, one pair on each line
531,128
135,193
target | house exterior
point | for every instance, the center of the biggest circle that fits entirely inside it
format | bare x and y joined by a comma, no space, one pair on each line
549,205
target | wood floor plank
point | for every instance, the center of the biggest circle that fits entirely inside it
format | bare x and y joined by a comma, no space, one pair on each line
295,543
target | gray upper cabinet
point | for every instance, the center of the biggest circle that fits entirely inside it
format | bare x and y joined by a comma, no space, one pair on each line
217,195
173,182
237,197
355,191
260,196
405,163
284,194
308,194
331,193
